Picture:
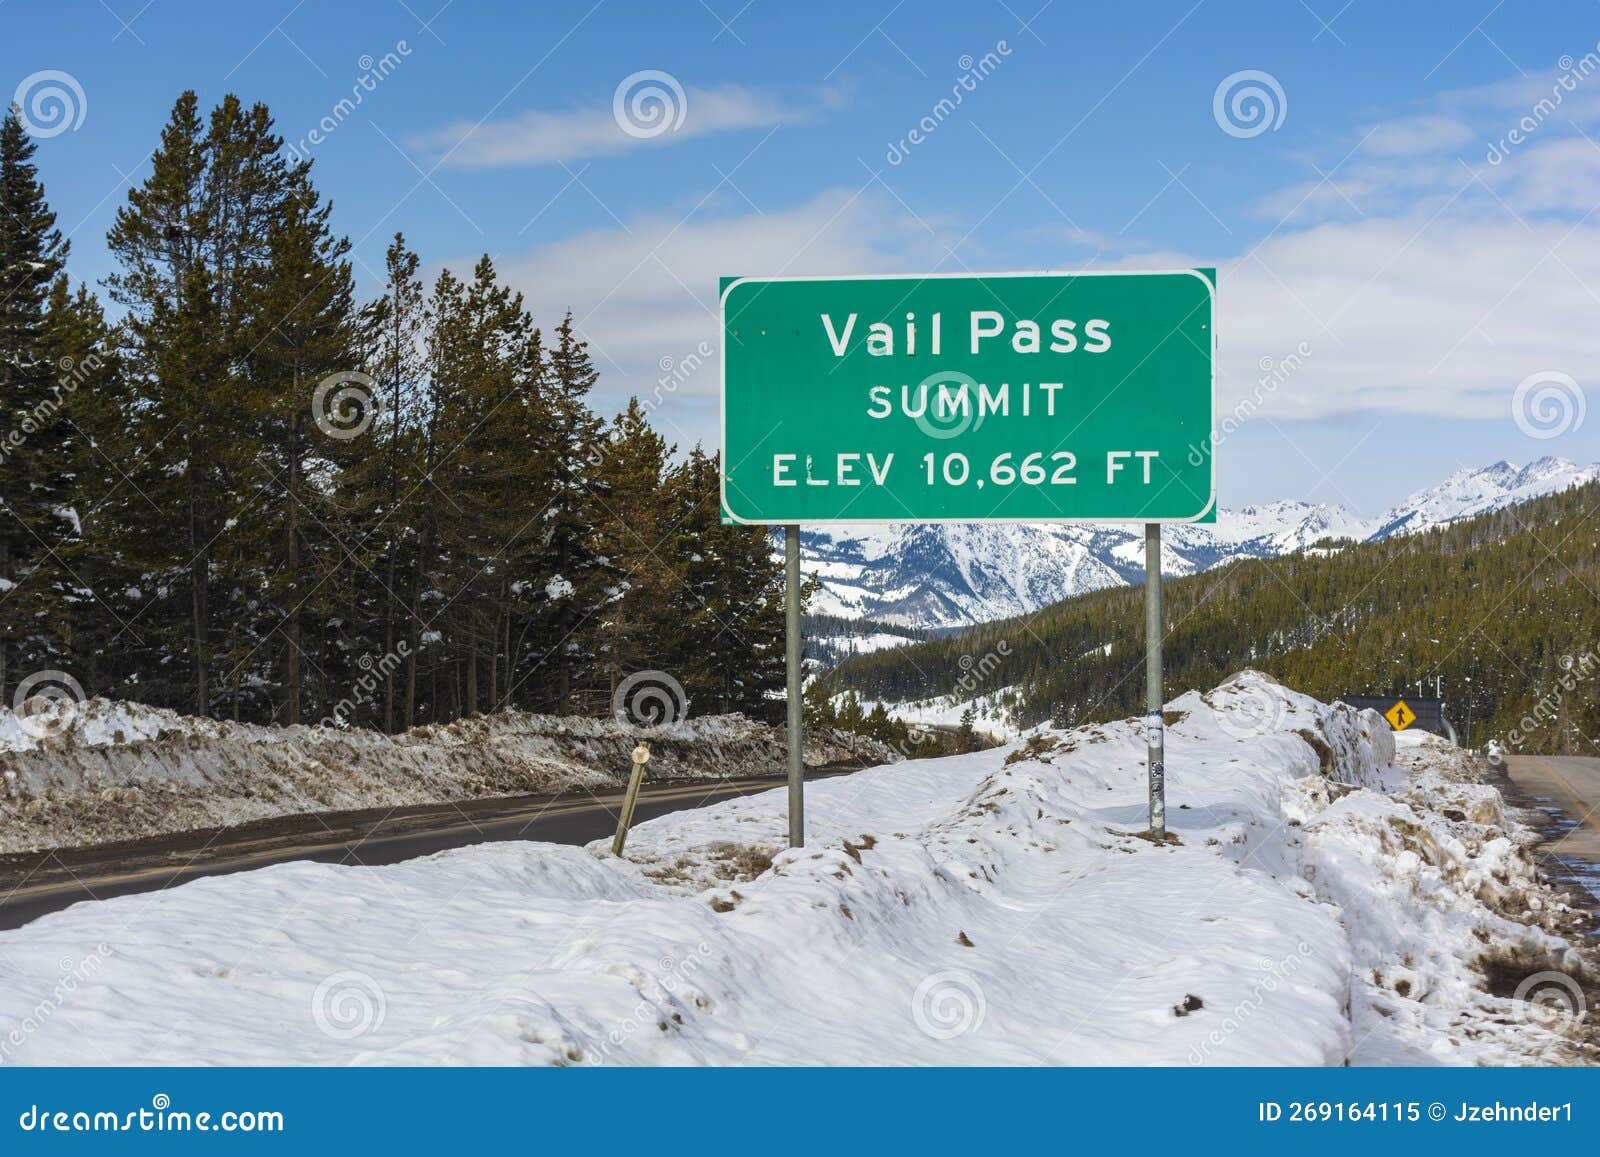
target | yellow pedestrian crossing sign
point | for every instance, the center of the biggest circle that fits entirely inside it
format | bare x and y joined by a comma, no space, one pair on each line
1415,713
1400,716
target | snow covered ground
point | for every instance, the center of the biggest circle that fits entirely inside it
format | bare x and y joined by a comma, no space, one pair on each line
82,773
1323,903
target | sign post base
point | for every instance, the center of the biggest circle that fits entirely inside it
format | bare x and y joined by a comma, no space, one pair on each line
1155,729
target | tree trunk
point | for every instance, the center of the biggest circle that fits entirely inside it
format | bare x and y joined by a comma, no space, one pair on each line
494,665
413,633
397,529
292,679
199,576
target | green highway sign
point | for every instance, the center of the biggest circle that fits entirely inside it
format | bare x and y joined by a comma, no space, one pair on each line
1014,397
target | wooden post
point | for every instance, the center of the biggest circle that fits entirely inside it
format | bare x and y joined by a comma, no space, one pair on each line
641,756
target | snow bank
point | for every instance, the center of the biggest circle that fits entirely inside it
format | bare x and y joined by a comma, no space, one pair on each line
89,772
1320,904
1448,916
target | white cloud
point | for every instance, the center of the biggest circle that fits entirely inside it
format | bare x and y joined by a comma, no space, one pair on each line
1408,136
1425,285
1526,138
1360,188
649,292
540,137
1411,316
1552,174
1427,280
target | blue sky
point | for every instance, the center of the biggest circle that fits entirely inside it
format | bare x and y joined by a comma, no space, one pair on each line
1380,217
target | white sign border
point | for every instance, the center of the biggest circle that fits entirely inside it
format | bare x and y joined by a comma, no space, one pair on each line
722,392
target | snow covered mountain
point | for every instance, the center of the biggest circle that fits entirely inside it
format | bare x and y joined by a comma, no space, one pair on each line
1469,492
948,575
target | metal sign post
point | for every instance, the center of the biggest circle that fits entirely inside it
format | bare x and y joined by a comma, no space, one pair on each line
1155,751
791,596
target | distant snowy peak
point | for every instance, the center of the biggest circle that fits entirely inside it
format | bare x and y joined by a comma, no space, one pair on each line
949,575
1471,492
1298,523
1269,530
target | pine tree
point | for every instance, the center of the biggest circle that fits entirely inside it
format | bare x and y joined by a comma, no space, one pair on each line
212,547
727,613
966,733
90,597
32,255
299,314
489,415
576,585
238,303
627,513
163,239
818,705
516,479
384,488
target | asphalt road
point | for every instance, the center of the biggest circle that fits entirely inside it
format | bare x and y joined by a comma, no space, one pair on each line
33,883
1572,782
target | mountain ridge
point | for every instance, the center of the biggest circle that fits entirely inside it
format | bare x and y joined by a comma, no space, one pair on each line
945,576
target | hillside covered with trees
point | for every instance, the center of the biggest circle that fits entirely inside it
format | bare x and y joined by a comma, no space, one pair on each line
238,491
1503,607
